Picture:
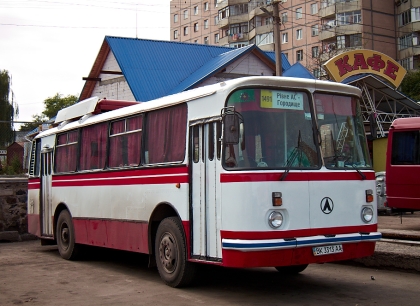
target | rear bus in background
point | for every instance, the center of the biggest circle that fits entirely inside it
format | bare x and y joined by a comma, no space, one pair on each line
403,165
251,172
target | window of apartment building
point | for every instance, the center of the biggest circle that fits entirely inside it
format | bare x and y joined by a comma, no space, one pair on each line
216,20
175,17
185,14
407,63
404,18
315,51
314,30
286,55
206,6
355,40
268,21
407,41
328,24
283,18
314,8
196,41
206,40
196,27
349,17
206,24
216,38
224,13
185,31
239,28
175,34
299,13
316,73
196,10
349,41
285,38
299,55
239,9
341,42
299,34
263,39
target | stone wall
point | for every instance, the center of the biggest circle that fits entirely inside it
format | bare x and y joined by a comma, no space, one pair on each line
13,199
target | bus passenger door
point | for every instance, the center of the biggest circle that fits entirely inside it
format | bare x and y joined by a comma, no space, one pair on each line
205,199
46,191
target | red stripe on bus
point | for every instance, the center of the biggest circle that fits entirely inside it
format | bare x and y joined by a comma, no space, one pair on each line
295,176
279,234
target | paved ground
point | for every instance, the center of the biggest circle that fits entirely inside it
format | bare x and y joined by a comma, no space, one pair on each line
390,252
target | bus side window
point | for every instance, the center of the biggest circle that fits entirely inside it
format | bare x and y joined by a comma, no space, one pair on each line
211,141
218,139
196,152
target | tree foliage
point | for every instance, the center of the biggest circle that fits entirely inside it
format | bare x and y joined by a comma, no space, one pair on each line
51,107
410,85
56,103
6,111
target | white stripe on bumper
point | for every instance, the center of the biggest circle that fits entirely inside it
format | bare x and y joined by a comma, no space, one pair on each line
280,244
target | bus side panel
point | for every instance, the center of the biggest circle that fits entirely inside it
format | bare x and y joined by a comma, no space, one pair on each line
33,207
402,182
121,235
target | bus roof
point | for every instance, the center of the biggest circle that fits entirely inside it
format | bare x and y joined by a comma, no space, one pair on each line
406,123
223,88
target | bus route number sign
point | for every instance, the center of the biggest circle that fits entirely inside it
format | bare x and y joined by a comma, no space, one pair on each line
281,99
327,249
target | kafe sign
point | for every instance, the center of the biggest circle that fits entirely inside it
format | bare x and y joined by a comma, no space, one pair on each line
355,62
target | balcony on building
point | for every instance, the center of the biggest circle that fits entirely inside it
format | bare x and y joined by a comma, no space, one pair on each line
233,38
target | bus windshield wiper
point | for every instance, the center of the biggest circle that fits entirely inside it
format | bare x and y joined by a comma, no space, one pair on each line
358,171
291,159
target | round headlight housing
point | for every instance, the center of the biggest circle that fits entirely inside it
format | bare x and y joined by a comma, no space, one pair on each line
275,219
367,214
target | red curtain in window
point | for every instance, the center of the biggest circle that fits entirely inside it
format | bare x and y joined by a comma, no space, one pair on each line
115,144
134,140
166,130
66,154
93,146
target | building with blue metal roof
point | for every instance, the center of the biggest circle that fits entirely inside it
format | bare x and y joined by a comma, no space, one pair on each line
141,69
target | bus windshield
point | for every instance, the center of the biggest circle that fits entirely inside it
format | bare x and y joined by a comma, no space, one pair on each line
277,130
343,140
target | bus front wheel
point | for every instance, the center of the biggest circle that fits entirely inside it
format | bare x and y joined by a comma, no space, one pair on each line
67,247
171,254
291,269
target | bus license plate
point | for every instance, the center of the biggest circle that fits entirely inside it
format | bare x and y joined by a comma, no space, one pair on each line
327,249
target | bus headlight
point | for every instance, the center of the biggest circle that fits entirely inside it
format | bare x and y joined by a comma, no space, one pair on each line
275,219
367,214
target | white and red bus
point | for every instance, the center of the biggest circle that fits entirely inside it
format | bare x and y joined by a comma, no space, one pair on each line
251,172
403,165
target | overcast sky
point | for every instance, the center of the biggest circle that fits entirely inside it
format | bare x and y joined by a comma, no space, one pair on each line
48,46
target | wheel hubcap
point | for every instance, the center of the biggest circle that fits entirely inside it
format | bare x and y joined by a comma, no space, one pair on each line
65,236
167,252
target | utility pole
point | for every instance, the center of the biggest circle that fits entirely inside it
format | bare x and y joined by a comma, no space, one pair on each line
277,42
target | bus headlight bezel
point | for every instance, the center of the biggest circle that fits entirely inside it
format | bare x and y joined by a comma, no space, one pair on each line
367,214
275,219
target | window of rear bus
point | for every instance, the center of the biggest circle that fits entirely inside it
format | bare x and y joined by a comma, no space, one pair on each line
66,151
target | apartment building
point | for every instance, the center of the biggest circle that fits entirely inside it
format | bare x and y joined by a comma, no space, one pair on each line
311,31
408,33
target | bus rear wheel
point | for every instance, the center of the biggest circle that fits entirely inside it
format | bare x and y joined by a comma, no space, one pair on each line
171,254
291,269
67,247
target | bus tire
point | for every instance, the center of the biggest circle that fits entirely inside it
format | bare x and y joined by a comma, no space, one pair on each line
171,254
67,247
291,269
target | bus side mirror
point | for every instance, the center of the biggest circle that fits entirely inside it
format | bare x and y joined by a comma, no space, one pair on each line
231,129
